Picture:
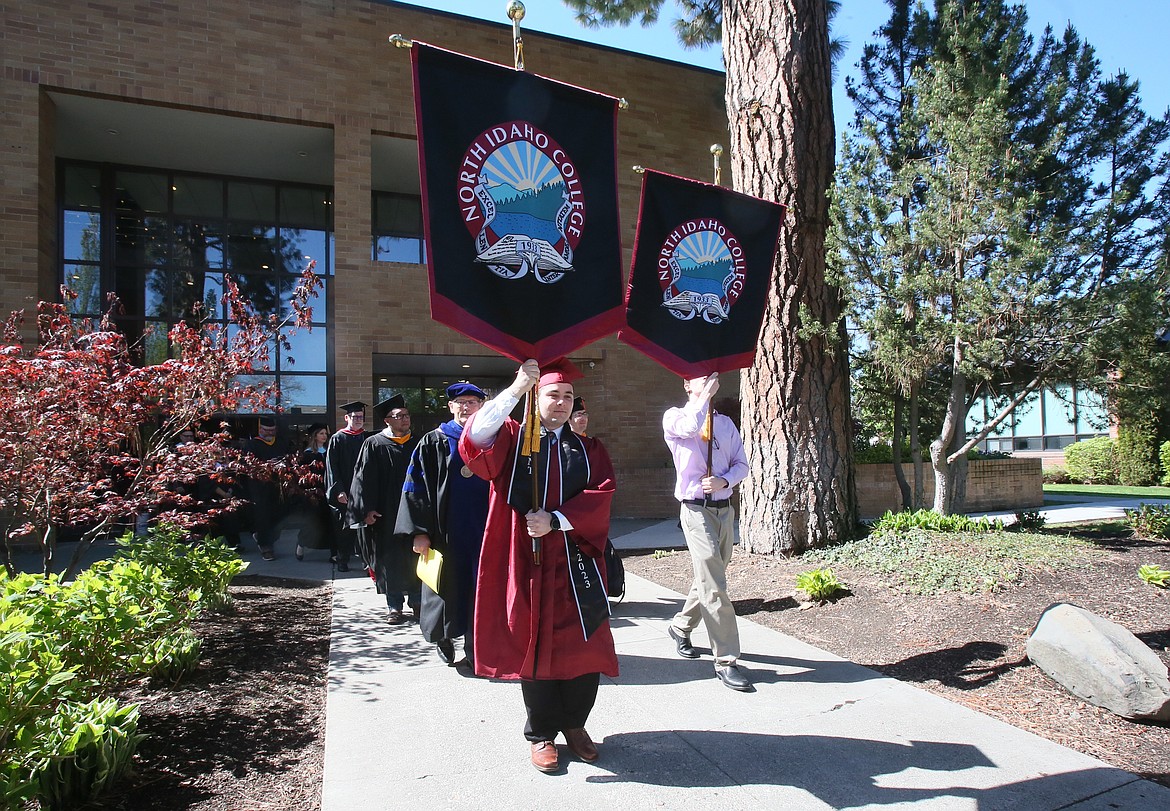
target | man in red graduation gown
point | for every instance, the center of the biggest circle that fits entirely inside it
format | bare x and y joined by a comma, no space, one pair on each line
541,615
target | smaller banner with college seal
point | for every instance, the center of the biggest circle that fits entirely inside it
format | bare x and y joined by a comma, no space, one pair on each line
702,264
519,187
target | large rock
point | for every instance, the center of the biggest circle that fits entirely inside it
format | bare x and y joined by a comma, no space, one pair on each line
1101,662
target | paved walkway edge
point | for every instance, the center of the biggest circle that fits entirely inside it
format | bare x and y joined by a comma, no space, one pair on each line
404,730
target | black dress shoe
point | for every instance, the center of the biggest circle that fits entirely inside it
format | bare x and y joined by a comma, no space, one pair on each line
731,676
682,644
446,651
342,566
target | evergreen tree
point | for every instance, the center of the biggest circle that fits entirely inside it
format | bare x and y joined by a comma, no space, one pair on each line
967,219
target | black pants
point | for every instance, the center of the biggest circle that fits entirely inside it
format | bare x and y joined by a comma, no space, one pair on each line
558,704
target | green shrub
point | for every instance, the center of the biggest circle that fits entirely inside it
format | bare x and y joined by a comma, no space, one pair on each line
172,657
1164,458
1029,520
929,520
33,681
89,747
112,614
61,644
1055,475
200,571
1137,451
1092,461
1150,520
819,584
1155,575
879,454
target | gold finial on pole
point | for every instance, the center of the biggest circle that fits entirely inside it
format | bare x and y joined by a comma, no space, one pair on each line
515,12
399,41
623,104
639,169
716,151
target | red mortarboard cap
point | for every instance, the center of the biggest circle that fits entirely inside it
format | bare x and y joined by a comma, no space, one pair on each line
560,370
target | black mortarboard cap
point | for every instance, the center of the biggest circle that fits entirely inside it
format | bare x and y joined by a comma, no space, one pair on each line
356,405
578,404
386,406
267,422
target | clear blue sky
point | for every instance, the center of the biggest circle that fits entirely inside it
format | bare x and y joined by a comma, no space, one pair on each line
1127,34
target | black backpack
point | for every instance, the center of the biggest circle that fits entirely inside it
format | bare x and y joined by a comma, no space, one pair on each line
615,573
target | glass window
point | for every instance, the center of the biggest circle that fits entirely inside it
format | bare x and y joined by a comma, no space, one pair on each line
307,353
288,285
257,403
141,240
141,191
82,187
143,292
1026,417
398,229
1091,412
198,243
1056,443
254,248
82,237
397,214
255,202
261,289
174,236
298,246
155,342
309,393
197,285
305,207
200,197
408,250
1059,410
86,282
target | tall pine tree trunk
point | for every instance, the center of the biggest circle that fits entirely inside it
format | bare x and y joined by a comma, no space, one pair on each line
800,492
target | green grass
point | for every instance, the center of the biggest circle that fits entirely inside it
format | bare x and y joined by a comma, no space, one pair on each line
1107,490
919,562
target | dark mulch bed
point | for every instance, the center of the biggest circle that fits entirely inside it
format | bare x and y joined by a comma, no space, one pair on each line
246,730
970,648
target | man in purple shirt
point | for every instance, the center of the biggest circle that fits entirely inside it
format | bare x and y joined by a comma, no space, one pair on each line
708,523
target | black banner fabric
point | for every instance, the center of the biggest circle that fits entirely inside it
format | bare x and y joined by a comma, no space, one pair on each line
703,258
519,188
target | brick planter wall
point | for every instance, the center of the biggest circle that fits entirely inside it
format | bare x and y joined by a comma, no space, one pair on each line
992,484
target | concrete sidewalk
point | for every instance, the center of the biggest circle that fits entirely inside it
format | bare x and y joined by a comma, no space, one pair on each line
405,731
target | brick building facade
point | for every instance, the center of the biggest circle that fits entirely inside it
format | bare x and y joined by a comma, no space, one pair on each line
309,93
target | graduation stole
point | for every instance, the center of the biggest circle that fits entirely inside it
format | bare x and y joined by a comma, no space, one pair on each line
588,589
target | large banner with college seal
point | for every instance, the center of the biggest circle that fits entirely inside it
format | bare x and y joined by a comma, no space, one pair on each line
519,188
703,258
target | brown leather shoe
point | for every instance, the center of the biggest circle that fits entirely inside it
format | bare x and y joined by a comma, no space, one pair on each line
581,745
544,756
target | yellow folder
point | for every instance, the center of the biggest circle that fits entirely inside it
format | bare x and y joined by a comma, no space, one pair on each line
430,563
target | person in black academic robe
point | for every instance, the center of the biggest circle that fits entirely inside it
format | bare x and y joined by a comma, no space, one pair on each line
316,519
341,456
376,490
267,510
444,507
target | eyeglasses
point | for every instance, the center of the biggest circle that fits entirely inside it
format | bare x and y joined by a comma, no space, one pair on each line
399,415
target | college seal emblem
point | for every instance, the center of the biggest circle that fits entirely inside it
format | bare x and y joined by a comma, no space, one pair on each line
521,200
701,270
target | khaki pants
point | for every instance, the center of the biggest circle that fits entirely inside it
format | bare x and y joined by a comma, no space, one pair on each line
709,532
